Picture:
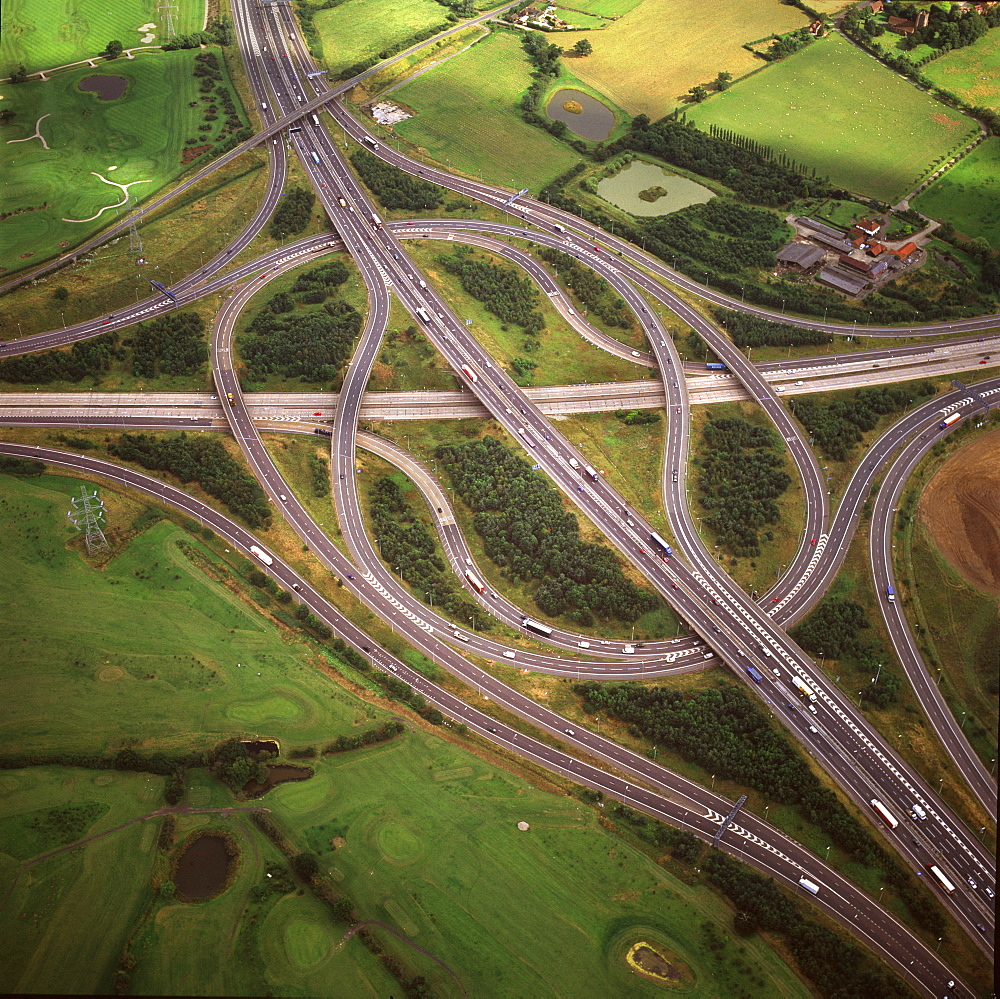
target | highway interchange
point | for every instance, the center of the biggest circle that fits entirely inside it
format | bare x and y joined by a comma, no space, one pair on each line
728,625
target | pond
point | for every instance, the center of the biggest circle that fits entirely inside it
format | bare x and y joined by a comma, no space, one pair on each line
276,774
589,118
257,746
108,88
670,191
203,868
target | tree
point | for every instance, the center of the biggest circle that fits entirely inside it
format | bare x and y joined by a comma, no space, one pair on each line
60,294
19,75
722,81
698,94
582,47
7,115
114,49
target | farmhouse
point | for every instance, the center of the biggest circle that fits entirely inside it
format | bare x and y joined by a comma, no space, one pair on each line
876,248
904,26
906,250
868,226
841,280
876,6
801,255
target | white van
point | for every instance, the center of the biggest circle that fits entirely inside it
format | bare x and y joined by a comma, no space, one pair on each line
583,645
508,654
628,649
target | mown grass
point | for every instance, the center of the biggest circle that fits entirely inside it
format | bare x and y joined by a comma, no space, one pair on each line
56,189
360,29
968,195
854,121
182,235
173,681
563,357
468,117
49,920
646,61
45,35
443,862
972,72
407,361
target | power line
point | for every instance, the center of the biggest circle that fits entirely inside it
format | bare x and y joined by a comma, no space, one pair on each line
89,509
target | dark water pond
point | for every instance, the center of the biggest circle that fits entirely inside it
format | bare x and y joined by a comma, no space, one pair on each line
258,746
594,122
203,867
276,775
108,88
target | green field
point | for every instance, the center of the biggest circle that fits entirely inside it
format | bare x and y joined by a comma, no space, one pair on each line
468,117
43,34
139,137
360,29
855,121
48,922
536,913
646,61
969,194
173,679
972,72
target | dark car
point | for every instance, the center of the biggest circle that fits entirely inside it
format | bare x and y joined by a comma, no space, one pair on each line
490,729
364,648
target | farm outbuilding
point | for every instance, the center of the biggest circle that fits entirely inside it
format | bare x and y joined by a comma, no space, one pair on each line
801,255
841,280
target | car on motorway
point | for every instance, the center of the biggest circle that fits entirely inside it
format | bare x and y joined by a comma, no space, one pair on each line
678,410
675,586
317,414
813,541
349,576
716,629
569,731
972,884
980,927
984,360
988,890
635,353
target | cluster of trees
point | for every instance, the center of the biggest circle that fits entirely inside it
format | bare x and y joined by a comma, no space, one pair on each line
308,345
837,967
67,823
86,358
723,731
528,534
746,330
319,475
786,45
219,102
293,213
718,236
21,466
591,290
385,732
742,477
767,152
834,630
405,543
836,425
948,27
235,767
200,459
220,31
544,57
173,344
392,187
395,688
509,296
638,417
749,174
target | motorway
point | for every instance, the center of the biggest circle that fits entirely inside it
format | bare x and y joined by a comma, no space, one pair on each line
735,627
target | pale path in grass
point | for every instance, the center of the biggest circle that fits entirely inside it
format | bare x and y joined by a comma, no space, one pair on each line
38,135
124,189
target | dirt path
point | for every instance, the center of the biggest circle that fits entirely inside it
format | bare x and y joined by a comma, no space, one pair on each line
165,810
961,509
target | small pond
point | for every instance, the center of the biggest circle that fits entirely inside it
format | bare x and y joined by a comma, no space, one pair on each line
257,746
276,774
593,121
203,868
624,188
108,88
